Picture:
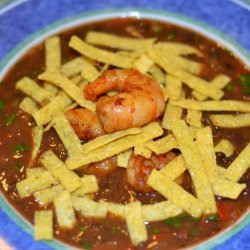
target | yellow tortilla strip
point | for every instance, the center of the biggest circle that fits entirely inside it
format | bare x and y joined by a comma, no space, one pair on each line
37,134
73,67
174,87
149,132
65,213
190,80
46,196
143,63
68,136
239,166
107,138
35,172
69,87
123,157
89,208
135,223
32,89
118,42
175,193
225,147
142,150
89,185
231,121
157,74
28,106
162,145
114,208
89,72
194,117
69,179
43,225
52,109
195,165
32,184
225,105
100,55
160,211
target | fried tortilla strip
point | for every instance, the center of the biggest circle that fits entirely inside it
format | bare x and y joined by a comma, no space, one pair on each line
220,185
160,211
89,208
219,82
32,89
46,196
114,208
157,74
230,121
35,172
239,166
135,223
89,185
143,64
73,67
65,213
149,132
43,225
142,150
69,87
118,42
175,193
68,136
100,55
194,117
28,106
195,166
69,179
174,87
90,73
192,81
52,109
225,147
225,105
37,134
35,183
123,157
162,145
105,139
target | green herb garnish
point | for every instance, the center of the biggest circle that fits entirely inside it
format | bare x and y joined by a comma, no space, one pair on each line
155,230
245,82
212,218
10,119
87,245
1,104
114,229
20,148
81,229
17,168
174,222
193,233
229,87
172,36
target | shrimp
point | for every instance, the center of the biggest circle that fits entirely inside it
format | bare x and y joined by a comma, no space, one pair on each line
85,123
139,102
139,168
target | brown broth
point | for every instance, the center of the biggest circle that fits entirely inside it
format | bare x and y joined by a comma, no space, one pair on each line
111,233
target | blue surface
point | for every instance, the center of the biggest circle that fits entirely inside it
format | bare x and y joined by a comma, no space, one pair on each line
32,15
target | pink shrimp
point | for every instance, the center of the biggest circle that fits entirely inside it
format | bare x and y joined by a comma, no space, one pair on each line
139,102
139,168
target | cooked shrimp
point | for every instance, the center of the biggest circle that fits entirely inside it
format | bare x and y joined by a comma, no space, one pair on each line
85,123
140,99
139,168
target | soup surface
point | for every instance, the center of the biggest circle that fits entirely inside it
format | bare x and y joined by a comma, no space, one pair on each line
112,232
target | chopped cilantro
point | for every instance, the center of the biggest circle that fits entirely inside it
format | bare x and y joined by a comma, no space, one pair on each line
172,36
245,82
114,229
212,217
10,119
81,228
87,245
229,87
155,230
174,222
17,168
20,148
193,233
1,104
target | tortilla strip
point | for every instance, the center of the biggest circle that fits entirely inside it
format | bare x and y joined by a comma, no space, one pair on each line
68,136
69,87
43,225
35,172
150,131
195,165
89,185
37,133
73,67
69,179
100,55
118,42
143,63
190,80
156,72
239,166
142,150
28,106
32,184
103,140
162,145
175,193
90,73
174,87
52,109
65,213
225,147
230,121
123,157
194,117
89,208
32,89
225,105
114,208
135,223
160,211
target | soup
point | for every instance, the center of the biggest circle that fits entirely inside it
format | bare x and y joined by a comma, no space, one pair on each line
156,167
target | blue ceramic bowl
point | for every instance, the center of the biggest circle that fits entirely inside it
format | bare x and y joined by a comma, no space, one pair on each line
20,237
